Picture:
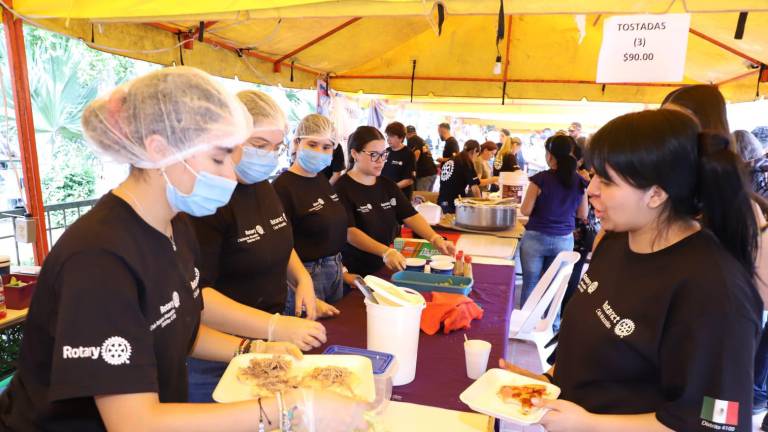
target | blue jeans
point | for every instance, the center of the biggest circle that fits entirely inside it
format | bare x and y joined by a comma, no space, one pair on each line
537,252
326,274
761,372
203,377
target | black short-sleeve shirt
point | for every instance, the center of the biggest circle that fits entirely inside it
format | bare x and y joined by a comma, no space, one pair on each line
245,247
378,211
116,311
455,177
400,166
316,213
672,332
451,148
337,163
425,165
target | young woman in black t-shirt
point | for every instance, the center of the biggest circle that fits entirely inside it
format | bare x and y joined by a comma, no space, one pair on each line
376,208
247,257
662,332
117,306
316,214
458,177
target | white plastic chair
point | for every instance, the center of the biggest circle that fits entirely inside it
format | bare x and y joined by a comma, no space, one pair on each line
530,322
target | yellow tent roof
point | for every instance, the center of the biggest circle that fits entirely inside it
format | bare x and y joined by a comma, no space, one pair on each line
370,46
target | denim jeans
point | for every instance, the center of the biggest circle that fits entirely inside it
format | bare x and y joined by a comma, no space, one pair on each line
326,274
537,252
761,373
426,183
203,377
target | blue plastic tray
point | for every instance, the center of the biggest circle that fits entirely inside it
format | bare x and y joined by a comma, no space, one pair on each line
380,361
429,282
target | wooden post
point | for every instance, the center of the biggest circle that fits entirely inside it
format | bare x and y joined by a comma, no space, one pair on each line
22,100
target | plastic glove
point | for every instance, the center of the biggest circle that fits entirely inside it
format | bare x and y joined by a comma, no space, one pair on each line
276,348
394,260
303,333
305,300
445,247
324,310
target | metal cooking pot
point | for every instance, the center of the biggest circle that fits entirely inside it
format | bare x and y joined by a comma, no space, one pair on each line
485,214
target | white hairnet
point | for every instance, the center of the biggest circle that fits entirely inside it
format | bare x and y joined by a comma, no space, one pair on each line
317,126
181,105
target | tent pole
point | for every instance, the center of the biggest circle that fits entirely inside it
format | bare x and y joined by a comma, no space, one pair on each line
17,62
309,44
506,60
724,46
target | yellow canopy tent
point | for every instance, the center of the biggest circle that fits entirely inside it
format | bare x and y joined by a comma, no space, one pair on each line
372,46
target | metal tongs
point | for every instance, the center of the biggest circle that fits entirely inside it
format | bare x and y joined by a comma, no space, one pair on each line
365,289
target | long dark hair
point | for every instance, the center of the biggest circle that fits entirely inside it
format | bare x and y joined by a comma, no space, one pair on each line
469,147
701,176
561,147
706,103
359,139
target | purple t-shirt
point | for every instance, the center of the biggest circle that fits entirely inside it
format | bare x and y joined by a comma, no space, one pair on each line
555,210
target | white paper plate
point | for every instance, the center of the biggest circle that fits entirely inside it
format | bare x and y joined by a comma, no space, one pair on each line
482,396
230,389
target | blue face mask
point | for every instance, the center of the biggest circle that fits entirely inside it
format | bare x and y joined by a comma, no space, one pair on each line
209,193
256,165
313,161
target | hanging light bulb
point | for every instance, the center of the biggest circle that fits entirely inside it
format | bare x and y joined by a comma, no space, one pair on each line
497,66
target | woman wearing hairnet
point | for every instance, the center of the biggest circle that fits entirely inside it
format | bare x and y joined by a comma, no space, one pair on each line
117,306
247,254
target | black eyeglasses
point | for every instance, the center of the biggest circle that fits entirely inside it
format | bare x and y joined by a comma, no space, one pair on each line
377,156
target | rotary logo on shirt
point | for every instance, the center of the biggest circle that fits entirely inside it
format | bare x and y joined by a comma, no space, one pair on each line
251,235
447,171
622,327
365,208
279,222
395,162
317,205
167,312
335,197
114,351
194,284
389,204
587,284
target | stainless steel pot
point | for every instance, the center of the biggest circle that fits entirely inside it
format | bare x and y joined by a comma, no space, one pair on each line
485,214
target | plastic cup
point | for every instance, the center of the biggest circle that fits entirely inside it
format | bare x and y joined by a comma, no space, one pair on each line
434,258
476,353
415,264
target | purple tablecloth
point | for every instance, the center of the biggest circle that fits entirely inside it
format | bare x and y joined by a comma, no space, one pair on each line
441,373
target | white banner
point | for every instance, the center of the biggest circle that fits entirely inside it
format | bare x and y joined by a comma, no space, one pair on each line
643,48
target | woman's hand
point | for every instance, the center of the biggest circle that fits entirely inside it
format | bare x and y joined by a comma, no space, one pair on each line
565,416
277,348
445,247
324,310
520,371
303,333
305,300
394,260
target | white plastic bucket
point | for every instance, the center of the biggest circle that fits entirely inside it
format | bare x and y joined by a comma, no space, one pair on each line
395,330
513,185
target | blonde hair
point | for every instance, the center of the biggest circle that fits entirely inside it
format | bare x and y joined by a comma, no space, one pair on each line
262,107
506,148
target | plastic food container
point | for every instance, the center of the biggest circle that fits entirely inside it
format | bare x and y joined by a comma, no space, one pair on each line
415,264
441,267
429,282
19,297
384,367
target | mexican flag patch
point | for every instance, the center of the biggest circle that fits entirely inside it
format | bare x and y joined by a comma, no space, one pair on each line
720,411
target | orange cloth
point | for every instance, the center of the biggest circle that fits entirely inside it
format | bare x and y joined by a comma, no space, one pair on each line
453,311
